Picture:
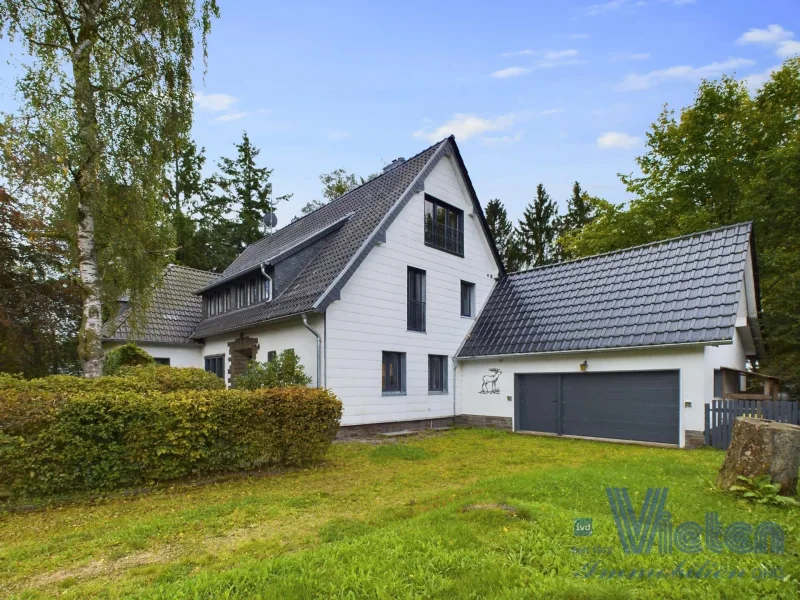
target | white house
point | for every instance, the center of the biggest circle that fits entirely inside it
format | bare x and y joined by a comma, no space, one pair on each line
394,297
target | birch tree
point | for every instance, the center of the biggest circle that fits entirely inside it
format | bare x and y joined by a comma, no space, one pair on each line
105,96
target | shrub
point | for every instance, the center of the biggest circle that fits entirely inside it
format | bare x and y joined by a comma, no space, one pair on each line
105,439
128,355
171,379
284,371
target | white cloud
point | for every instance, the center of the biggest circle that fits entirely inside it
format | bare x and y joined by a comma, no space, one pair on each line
510,72
465,126
338,135
635,81
773,34
213,102
781,40
501,140
525,52
788,48
550,111
612,140
234,116
756,80
545,59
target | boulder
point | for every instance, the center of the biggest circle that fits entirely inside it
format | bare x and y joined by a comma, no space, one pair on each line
762,447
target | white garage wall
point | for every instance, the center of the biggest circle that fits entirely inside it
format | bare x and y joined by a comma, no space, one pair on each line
689,360
179,356
279,336
371,315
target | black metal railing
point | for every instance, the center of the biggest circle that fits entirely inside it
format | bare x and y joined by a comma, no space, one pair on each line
443,237
416,316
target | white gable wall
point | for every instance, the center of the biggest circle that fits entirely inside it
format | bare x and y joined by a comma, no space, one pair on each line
371,317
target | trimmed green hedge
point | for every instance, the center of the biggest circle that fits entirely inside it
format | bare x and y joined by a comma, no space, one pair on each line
107,438
142,378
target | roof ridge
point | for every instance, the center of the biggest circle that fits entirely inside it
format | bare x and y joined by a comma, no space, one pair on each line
637,247
348,192
171,265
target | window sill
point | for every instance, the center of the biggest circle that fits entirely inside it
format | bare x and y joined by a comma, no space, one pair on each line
415,331
393,393
444,393
467,317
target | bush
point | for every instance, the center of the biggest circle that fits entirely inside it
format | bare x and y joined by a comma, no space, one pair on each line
128,355
284,371
141,378
106,439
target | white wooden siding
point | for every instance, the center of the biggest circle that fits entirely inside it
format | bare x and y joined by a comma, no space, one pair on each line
370,317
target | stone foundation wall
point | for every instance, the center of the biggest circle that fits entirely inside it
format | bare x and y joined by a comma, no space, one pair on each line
372,429
484,421
694,439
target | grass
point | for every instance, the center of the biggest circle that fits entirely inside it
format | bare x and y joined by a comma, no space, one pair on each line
389,521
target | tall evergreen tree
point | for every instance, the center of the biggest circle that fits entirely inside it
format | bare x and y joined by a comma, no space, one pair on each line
505,237
537,230
187,190
245,189
580,212
105,92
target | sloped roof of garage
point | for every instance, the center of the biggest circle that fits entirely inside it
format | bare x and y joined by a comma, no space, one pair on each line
361,218
173,313
678,291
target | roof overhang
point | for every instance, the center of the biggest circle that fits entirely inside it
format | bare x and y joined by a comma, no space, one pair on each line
281,253
594,350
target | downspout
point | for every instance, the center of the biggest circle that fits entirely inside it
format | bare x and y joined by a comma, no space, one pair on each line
455,391
319,349
268,278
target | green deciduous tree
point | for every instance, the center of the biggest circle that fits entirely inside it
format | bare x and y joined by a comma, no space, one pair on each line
505,238
334,184
729,157
105,93
537,230
39,298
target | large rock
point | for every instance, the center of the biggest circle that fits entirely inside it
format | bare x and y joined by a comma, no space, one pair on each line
762,447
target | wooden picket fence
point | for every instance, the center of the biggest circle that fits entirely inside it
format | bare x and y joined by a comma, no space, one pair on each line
721,414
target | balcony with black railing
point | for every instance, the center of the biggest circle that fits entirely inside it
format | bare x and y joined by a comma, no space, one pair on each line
443,237
416,316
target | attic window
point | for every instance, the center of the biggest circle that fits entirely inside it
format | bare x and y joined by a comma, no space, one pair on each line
444,226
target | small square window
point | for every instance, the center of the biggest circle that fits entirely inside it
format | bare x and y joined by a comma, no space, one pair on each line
393,374
467,299
271,356
437,373
161,361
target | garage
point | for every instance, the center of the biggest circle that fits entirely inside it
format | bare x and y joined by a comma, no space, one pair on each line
631,405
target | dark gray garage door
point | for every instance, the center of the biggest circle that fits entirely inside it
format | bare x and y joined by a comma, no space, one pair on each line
633,405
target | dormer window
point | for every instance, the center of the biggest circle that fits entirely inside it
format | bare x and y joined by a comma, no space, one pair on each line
238,294
444,226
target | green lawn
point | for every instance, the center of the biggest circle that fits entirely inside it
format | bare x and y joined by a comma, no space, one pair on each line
388,521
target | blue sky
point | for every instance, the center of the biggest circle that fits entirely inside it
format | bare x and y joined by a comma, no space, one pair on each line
535,92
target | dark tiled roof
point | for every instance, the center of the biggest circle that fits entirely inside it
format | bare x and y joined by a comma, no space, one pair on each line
684,290
371,208
173,314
